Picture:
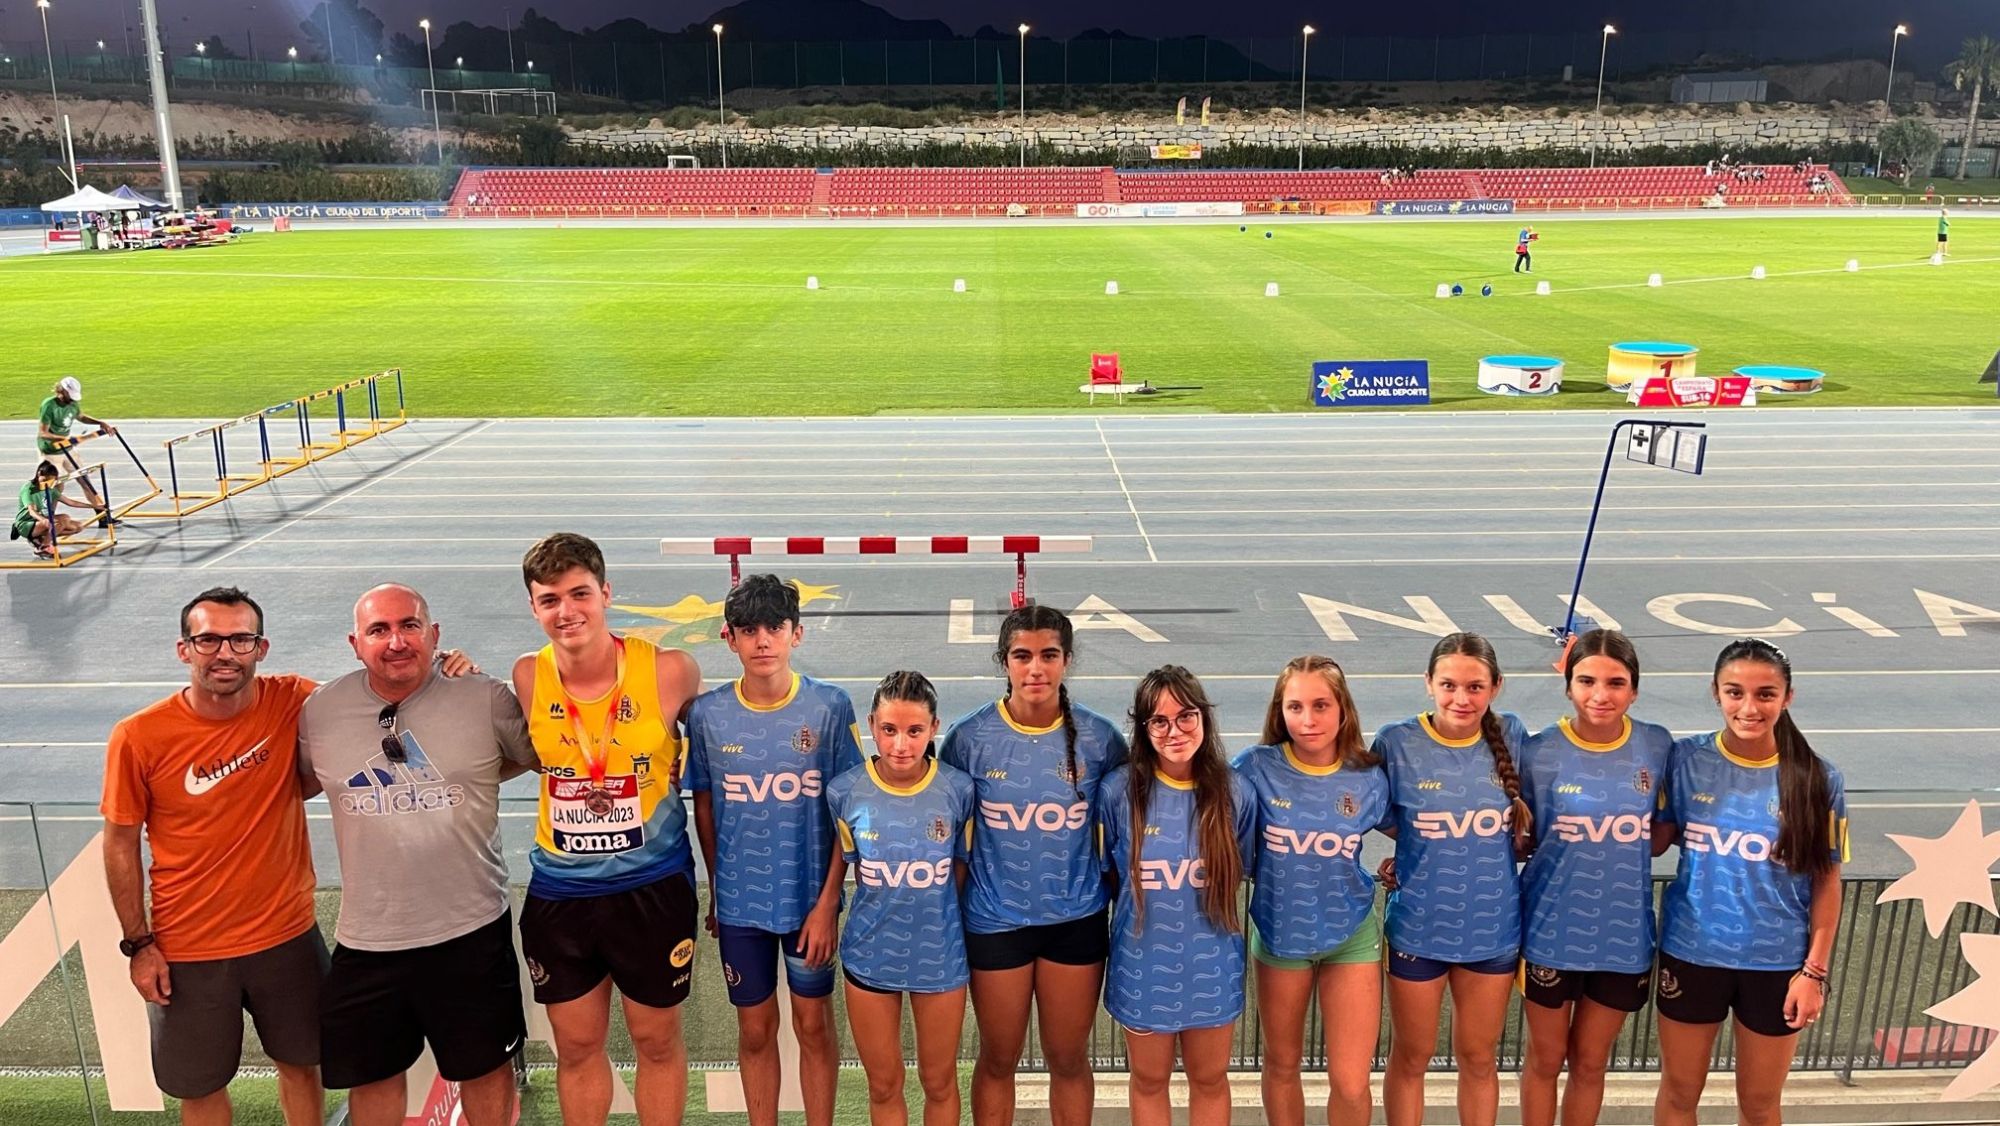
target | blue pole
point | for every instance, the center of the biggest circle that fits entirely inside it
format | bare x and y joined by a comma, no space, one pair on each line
221,460
173,476
1576,591
264,439
339,413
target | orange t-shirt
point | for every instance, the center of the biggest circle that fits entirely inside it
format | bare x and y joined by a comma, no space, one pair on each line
232,870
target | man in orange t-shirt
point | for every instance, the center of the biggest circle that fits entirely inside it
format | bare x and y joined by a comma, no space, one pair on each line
211,774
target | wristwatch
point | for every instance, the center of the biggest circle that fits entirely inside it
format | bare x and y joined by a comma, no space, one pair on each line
130,947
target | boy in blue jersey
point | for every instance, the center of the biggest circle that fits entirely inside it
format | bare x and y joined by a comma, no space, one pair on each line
1179,833
761,750
1752,912
1034,910
1454,921
1318,791
1593,782
905,822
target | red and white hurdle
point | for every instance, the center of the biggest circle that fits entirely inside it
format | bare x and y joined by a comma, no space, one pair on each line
1020,547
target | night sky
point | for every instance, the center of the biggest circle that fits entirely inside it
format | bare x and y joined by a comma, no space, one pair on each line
1937,25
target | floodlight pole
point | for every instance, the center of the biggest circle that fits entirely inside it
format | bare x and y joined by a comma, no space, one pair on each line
430,62
1024,94
49,54
721,114
1895,40
1305,46
163,124
1597,127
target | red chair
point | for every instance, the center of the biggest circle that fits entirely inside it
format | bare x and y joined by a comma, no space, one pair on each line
1105,372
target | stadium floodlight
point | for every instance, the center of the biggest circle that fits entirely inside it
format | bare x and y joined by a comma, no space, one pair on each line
430,62
1023,95
1597,128
100,45
1305,45
201,48
721,114
1889,93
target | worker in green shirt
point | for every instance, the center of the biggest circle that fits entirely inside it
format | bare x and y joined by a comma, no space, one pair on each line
32,518
61,411
1944,232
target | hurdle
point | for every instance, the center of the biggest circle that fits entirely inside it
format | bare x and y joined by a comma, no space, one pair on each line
82,545
1020,547
152,486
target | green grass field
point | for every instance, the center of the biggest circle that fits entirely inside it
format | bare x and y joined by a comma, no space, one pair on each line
717,321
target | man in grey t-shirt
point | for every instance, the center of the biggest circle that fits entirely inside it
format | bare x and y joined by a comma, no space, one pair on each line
411,763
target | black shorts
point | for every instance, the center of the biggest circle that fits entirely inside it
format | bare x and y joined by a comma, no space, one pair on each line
643,939
1077,942
462,995
1552,988
1695,994
198,1036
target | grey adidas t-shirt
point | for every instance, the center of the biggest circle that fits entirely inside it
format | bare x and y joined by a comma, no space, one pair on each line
419,840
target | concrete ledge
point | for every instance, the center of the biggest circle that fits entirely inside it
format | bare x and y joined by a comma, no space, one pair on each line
1815,1097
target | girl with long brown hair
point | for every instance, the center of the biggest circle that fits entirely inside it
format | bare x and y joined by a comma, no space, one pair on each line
1177,839
1318,791
1751,914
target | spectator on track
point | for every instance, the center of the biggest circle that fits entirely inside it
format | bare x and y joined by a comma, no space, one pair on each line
61,411
1944,232
411,763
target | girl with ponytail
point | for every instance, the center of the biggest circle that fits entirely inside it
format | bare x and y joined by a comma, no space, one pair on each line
1179,834
1035,905
1593,780
1751,914
1454,920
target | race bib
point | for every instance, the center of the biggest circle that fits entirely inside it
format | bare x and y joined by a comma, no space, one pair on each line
592,820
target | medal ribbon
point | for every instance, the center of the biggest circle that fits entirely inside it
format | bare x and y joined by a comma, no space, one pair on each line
595,762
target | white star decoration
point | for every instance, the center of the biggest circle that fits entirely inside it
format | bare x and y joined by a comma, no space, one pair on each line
1950,870
1975,1006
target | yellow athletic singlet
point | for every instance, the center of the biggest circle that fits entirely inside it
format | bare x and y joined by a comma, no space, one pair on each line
629,829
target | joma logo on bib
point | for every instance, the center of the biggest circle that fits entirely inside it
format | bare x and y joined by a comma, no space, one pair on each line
1045,816
1439,824
905,873
1291,842
771,787
1697,837
1173,875
1624,828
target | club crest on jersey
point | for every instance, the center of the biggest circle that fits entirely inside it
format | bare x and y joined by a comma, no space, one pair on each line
642,765
938,831
1349,806
1070,773
803,740
1772,807
1643,781
627,710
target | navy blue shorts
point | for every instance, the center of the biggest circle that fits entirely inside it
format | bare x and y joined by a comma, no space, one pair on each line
750,966
1416,967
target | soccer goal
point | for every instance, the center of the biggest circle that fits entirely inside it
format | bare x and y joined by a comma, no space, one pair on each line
522,101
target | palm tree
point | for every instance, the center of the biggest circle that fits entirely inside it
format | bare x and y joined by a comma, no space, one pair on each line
1977,65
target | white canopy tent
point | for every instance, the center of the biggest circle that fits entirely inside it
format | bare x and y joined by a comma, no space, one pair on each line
89,198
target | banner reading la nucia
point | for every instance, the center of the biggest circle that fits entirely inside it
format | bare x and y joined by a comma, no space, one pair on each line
1371,383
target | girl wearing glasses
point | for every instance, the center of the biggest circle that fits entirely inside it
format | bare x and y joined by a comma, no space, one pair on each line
1593,780
1454,920
1178,837
1317,790
1034,912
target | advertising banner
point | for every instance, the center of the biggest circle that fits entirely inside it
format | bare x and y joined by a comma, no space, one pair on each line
1694,391
1445,207
1176,152
1371,383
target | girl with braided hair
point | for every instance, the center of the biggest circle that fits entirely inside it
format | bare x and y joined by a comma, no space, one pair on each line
1454,921
1035,926
1749,920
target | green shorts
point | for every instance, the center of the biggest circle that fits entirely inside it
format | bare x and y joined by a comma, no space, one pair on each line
1364,945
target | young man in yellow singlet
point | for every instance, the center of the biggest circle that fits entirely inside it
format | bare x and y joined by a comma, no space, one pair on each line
611,900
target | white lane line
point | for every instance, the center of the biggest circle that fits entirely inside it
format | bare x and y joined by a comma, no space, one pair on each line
954,511
331,501
1137,521
1302,561
1326,451
1142,534
907,469
1320,439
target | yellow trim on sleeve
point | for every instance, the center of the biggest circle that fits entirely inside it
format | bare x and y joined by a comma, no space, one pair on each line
1023,728
1838,828
791,695
1304,767
1569,732
1424,718
911,790
846,836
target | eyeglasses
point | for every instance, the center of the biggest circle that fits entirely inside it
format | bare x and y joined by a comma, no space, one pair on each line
1187,720
209,644
392,743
